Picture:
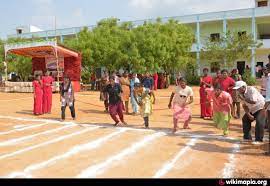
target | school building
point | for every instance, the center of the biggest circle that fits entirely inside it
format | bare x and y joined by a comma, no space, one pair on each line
255,21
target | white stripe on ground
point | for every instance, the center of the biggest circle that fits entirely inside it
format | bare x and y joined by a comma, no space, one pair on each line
19,175
159,97
35,120
20,126
94,170
61,138
73,151
22,129
230,166
167,131
170,164
21,139
15,99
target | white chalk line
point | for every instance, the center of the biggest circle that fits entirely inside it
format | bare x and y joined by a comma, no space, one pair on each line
94,170
170,164
71,152
167,131
15,99
22,129
61,138
21,126
35,120
228,170
158,97
24,138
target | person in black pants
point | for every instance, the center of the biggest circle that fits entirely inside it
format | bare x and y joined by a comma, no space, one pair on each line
253,104
67,98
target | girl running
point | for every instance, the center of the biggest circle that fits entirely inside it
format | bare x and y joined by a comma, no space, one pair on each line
145,98
180,100
222,106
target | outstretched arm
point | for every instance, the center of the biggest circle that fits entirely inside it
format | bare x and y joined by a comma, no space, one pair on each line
171,98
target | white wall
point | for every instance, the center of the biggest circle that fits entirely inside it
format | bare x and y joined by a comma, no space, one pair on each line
262,58
259,58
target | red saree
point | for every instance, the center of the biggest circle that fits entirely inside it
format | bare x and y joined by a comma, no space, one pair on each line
205,100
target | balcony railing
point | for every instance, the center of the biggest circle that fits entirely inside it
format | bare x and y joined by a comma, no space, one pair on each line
212,16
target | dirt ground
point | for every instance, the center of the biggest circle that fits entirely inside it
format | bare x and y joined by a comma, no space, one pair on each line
44,147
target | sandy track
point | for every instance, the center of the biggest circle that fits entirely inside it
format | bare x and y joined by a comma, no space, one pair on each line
91,147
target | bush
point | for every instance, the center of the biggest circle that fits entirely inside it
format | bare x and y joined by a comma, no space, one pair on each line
172,80
191,74
247,77
85,75
193,79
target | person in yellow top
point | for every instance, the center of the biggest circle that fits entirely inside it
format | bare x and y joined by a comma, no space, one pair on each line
145,99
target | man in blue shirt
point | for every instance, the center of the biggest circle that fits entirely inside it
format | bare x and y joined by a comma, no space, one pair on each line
148,81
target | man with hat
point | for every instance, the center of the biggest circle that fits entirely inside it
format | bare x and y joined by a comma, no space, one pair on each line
253,104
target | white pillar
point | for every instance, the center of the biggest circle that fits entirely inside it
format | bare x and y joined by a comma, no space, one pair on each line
198,38
253,50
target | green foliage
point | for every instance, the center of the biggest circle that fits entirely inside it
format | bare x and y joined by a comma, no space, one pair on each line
85,75
229,48
191,75
247,77
2,56
21,65
151,47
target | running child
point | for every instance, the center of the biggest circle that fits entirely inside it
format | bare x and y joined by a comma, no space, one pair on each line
180,100
145,98
222,107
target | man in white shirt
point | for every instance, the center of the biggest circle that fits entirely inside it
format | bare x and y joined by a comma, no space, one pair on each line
267,98
253,104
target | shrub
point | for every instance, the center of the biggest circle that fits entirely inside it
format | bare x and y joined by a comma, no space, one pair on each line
247,77
85,75
193,79
191,74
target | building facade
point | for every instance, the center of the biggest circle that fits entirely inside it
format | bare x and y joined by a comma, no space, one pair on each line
255,21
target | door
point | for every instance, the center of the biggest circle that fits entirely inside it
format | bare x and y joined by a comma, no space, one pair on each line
241,67
260,71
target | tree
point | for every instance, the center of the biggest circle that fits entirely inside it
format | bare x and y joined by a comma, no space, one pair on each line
150,47
229,48
164,46
2,56
20,64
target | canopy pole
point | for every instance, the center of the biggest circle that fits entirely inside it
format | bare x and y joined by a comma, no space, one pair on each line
56,55
57,66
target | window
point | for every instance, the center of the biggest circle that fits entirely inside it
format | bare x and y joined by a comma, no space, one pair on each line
240,34
19,31
215,37
215,66
266,36
262,3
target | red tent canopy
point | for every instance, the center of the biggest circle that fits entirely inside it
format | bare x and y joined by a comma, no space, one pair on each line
48,55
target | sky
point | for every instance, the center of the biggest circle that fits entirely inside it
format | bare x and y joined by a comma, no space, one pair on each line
73,13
